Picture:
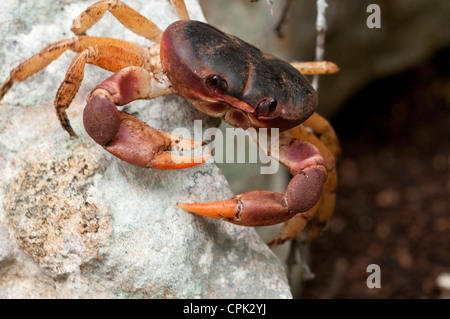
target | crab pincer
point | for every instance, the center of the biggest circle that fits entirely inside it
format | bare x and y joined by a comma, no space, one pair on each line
263,208
128,138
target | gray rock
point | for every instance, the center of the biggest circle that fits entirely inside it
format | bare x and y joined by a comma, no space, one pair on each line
76,222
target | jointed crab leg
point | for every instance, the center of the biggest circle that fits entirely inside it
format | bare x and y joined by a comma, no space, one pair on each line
39,61
316,67
328,145
108,57
261,208
180,9
327,134
125,136
101,53
126,15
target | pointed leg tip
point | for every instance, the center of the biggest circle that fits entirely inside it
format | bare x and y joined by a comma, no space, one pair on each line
199,209
217,210
73,134
274,242
332,67
184,206
5,86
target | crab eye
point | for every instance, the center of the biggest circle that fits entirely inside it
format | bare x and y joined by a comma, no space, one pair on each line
266,107
217,83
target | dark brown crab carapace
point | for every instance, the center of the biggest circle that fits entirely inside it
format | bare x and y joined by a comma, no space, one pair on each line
225,77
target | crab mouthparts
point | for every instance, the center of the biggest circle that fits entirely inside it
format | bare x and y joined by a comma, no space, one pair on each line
238,104
237,118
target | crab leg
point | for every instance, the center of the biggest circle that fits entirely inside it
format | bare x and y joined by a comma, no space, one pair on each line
328,145
262,208
317,67
110,58
39,61
180,9
126,15
110,54
125,136
329,148
327,134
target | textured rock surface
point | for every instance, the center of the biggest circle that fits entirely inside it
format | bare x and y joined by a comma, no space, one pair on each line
77,223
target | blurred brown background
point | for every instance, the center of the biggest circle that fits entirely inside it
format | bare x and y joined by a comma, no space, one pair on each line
390,106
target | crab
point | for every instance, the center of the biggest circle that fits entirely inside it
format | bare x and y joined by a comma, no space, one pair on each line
220,75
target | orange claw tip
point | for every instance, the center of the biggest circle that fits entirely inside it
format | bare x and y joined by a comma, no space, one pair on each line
218,210
167,161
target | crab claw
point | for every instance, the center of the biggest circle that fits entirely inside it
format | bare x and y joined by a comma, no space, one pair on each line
135,142
257,208
264,208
